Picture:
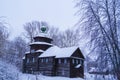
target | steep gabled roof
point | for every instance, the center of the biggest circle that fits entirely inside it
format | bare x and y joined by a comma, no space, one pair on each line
59,52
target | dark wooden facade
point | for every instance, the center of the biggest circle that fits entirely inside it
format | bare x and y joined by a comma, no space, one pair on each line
31,62
72,66
47,66
42,39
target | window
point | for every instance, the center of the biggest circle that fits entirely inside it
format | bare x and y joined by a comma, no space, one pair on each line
65,61
33,59
28,60
46,60
59,60
32,51
41,60
73,61
76,61
80,61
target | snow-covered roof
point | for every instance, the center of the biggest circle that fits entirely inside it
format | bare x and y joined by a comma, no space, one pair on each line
42,35
27,52
40,43
39,50
35,51
78,66
58,52
23,57
92,69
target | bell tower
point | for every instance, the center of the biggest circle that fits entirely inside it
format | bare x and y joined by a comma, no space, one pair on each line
41,41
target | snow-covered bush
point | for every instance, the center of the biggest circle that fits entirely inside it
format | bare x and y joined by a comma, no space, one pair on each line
8,71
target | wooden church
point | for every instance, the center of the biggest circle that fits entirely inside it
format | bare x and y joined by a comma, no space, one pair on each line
47,59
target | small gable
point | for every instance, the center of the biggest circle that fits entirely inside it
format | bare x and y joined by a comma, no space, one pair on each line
77,53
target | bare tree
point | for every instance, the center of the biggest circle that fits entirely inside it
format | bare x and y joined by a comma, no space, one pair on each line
69,38
3,38
100,21
31,30
20,46
53,33
65,38
15,51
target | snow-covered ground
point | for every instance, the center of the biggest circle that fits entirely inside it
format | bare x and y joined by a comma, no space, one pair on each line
87,77
41,77
10,72
98,77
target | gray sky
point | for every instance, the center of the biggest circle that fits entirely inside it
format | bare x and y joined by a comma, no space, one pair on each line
58,13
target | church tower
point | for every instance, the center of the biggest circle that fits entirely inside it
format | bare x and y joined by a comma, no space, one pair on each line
41,43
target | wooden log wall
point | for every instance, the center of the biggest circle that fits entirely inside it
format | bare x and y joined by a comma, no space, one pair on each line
47,66
63,67
76,72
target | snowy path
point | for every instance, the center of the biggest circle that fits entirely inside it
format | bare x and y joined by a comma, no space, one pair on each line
41,77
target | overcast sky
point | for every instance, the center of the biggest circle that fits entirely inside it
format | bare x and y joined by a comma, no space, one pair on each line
59,13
